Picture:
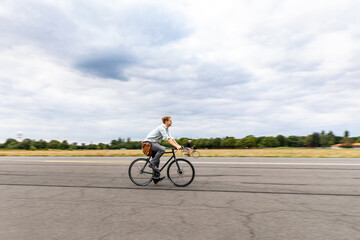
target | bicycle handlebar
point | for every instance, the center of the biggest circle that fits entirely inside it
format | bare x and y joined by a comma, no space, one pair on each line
174,149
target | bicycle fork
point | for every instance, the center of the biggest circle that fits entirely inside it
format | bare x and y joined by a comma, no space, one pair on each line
178,167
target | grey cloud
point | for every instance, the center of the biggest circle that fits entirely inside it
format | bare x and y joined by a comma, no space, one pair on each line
106,65
70,35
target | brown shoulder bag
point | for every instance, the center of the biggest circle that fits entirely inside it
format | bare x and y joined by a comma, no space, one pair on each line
146,148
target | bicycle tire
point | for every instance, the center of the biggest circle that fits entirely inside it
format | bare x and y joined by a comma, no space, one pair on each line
138,173
185,174
195,154
184,153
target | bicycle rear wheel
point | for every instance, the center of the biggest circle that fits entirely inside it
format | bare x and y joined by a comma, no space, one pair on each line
139,174
181,172
195,154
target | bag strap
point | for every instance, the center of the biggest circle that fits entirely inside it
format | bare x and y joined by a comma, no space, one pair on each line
157,140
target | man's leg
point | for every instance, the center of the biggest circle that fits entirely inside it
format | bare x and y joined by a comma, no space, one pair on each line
160,150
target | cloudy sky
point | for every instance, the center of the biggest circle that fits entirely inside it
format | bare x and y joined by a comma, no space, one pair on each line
97,70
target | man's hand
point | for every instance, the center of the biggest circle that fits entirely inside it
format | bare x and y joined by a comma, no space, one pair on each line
174,143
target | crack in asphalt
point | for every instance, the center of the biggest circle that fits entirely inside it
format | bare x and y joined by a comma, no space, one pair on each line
183,190
247,224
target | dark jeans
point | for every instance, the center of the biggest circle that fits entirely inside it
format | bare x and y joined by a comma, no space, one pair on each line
158,151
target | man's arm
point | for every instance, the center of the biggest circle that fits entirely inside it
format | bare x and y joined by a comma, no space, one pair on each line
174,143
170,139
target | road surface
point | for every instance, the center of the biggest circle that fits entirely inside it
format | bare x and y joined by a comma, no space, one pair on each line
46,198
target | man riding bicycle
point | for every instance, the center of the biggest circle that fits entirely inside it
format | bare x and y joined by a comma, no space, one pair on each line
180,171
188,148
155,137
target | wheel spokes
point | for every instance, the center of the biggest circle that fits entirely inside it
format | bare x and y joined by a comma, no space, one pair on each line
138,175
181,173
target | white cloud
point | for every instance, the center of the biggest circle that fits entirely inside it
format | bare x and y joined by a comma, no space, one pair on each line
94,71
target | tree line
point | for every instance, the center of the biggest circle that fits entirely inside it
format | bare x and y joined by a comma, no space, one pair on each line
315,139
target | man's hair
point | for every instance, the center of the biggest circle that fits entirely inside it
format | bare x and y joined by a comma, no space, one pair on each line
166,118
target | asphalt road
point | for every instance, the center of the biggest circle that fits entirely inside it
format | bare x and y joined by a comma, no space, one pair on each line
231,198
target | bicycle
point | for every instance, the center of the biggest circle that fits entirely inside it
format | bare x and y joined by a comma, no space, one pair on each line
193,153
180,171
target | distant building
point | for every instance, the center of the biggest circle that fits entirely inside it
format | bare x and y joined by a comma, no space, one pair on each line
340,145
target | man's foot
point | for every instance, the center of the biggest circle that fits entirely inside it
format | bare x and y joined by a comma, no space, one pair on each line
155,168
156,180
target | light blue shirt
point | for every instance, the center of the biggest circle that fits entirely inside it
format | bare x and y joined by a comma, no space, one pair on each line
159,133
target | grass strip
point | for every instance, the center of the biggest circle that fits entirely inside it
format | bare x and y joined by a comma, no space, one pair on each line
270,152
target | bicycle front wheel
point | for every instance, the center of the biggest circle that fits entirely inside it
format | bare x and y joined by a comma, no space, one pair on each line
184,153
139,174
195,154
181,172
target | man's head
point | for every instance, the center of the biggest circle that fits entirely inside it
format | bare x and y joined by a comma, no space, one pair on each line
167,121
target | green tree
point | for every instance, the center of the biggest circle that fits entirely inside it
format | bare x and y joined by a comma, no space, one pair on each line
182,141
281,140
11,143
312,140
331,138
215,142
91,146
308,140
73,147
323,139
248,141
114,144
347,141
64,145
25,144
54,144
294,141
228,142
201,142
258,140
41,144
103,146
117,144
316,139
269,142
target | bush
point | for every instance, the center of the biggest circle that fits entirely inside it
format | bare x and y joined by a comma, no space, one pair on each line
32,148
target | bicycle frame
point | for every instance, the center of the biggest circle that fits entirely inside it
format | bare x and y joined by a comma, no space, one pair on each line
172,157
